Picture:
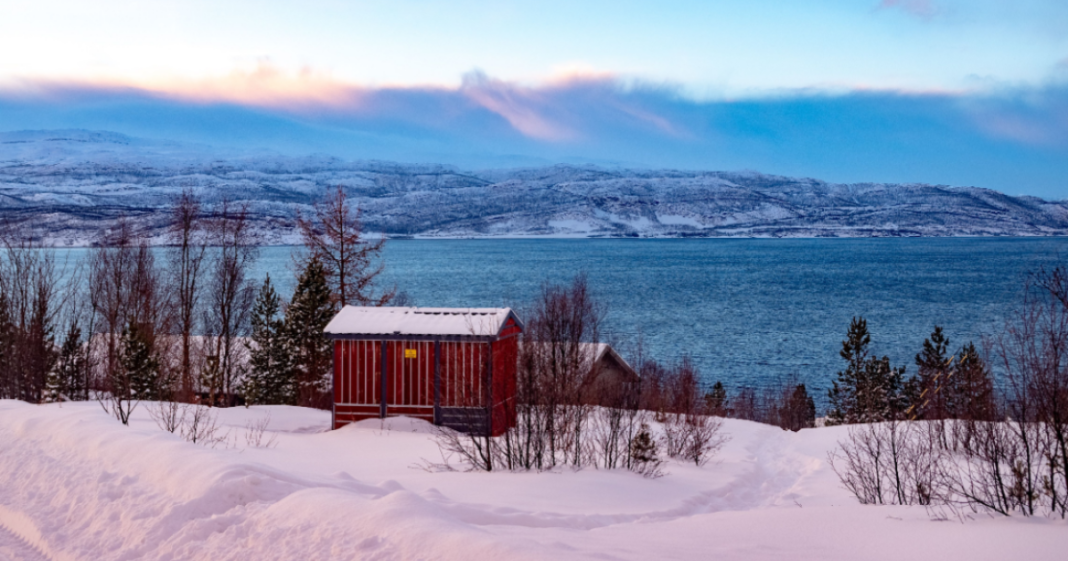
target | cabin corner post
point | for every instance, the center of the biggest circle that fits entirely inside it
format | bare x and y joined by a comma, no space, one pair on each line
488,388
437,382
333,389
382,405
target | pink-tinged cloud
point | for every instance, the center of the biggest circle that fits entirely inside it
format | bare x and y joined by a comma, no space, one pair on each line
263,86
1039,119
924,9
564,110
521,107
994,139
266,86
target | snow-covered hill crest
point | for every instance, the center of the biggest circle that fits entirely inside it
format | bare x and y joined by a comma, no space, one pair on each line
67,185
77,484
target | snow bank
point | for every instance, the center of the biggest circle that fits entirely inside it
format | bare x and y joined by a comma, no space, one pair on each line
75,484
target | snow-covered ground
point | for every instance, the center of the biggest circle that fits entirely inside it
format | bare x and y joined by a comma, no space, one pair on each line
76,484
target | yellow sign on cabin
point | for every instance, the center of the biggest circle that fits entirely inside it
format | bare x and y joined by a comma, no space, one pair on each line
409,353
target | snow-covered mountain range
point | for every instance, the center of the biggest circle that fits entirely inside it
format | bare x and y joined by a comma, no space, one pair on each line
66,186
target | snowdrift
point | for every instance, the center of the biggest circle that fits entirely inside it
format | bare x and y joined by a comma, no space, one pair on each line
76,484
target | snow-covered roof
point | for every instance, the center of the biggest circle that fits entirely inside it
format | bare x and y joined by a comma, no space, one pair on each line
420,322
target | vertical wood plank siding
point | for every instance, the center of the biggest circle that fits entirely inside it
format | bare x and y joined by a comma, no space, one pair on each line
357,370
442,380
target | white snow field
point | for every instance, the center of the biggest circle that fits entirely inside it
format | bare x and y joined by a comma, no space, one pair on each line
75,484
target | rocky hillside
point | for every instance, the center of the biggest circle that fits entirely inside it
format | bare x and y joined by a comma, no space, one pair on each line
66,186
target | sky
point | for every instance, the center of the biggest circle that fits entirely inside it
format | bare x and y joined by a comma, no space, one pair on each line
938,91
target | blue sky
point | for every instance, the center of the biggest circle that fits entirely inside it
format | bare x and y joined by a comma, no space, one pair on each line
940,91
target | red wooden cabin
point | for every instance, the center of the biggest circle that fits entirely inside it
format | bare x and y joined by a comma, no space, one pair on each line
451,366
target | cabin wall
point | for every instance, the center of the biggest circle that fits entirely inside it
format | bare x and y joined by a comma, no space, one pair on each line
357,381
463,374
472,393
410,379
505,356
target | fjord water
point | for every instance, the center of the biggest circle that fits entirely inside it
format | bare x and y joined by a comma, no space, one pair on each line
747,311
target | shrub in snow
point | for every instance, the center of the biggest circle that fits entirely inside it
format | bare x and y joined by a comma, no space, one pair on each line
1004,467
693,437
169,415
256,433
690,433
475,451
887,463
611,431
553,385
202,427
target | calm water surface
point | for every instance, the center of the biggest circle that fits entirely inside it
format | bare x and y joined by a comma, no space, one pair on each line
747,311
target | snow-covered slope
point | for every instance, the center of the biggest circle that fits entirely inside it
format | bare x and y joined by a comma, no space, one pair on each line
75,484
66,185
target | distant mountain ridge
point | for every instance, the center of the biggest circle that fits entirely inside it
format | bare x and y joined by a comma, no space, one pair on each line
67,186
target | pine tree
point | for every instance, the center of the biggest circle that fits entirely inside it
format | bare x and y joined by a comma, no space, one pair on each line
270,380
307,315
869,389
66,381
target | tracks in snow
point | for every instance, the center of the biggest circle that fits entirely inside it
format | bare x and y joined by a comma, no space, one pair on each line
21,540
772,480
14,548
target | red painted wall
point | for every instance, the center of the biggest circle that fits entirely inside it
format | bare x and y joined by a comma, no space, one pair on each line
410,379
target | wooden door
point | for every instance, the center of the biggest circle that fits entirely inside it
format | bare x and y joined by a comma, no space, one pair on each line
410,379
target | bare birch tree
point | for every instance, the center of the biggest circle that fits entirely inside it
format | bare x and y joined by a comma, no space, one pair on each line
334,235
230,300
33,302
125,299
185,259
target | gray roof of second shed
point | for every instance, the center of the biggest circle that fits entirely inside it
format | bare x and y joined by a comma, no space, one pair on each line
420,322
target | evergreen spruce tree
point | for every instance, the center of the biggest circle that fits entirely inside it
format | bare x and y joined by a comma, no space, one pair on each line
8,385
139,364
307,315
643,454
869,389
934,367
843,390
971,392
799,410
66,381
270,379
136,377
716,400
